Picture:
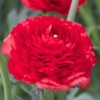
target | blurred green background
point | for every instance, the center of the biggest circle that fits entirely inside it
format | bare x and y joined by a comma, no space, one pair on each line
12,12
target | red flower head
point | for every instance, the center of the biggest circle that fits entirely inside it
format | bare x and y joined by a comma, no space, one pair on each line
59,6
51,52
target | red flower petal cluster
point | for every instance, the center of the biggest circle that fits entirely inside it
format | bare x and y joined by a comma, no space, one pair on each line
51,52
59,6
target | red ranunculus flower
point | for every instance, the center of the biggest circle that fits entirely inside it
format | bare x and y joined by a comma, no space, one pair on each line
59,6
51,52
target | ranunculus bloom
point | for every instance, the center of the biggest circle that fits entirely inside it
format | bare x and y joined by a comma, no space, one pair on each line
59,6
51,52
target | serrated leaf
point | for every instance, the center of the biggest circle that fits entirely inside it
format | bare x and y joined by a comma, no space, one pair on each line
69,97
14,17
34,94
40,94
74,91
96,48
19,98
84,96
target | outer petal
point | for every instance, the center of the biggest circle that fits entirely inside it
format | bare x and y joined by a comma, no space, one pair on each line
21,72
6,47
62,87
81,82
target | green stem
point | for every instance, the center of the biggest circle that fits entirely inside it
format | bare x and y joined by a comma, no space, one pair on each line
45,13
61,95
5,79
25,89
40,94
49,95
72,11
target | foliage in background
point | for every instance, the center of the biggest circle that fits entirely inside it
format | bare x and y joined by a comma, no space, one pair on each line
12,11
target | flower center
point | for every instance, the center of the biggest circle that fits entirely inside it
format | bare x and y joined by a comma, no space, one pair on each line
55,36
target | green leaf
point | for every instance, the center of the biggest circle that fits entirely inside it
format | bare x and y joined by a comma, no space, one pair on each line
74,91
85,96
19,98
61,95
49,95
